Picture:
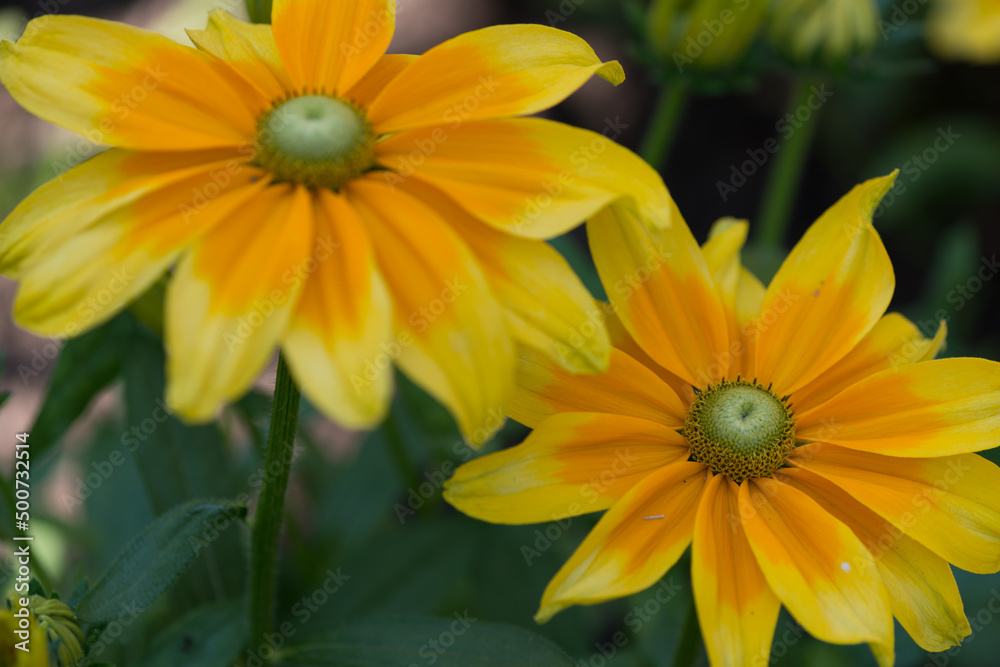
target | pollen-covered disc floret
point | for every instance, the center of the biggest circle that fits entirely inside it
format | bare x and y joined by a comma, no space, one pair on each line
740,429
315,140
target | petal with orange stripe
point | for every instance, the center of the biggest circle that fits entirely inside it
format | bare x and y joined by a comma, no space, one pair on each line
626,388
817,567
127,87
495,72
231,298
571,464
933,408
948,504
828,294
921,587
337,340
329,46
663,292
526,176
893,342
736,607
453,340
634,543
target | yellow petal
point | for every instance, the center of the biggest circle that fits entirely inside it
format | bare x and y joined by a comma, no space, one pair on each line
739,290
627,552
661,288
527,176
248,48
820,571
331,45
571,464
337,340
231,298
948,504
127,87
922,589
546,305
622,339
505,70
736,607
933,408
830,291
452,337
626,388
385,69
85,245
893,343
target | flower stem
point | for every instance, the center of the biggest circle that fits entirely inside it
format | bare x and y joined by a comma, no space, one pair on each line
663,125
784,179
271,505
690,640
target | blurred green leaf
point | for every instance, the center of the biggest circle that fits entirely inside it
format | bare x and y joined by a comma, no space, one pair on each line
209,636
459,641
154,560
86,366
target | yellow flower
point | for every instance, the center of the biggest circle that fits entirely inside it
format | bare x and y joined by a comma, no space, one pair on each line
706,34
307,191
965,29
830,30
36,650
805,444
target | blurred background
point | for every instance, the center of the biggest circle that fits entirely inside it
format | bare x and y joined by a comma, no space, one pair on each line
867,93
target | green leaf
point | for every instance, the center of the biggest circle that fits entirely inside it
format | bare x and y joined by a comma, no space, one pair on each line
209,636
153,561
391,641
86,366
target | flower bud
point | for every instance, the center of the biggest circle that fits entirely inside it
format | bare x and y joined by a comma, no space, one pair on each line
824,30
706,34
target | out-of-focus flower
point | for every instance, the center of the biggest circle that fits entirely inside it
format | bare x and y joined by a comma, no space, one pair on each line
965,30
805,444
307,191
705,34
826,30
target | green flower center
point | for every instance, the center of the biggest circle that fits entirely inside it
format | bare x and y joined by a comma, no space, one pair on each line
316,140
740,429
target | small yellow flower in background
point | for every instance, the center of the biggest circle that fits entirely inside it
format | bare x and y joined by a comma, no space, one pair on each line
59,627
706,34
828,30
965,30
805,444
307,191
37,654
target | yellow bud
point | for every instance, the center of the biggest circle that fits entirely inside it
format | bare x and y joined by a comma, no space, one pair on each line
704,34
965,30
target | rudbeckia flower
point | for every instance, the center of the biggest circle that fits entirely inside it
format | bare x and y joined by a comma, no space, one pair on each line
806,445
305,190
965,30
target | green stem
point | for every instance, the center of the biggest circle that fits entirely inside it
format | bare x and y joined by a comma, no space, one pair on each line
271,505
690,642
259,11
783,181
664,123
